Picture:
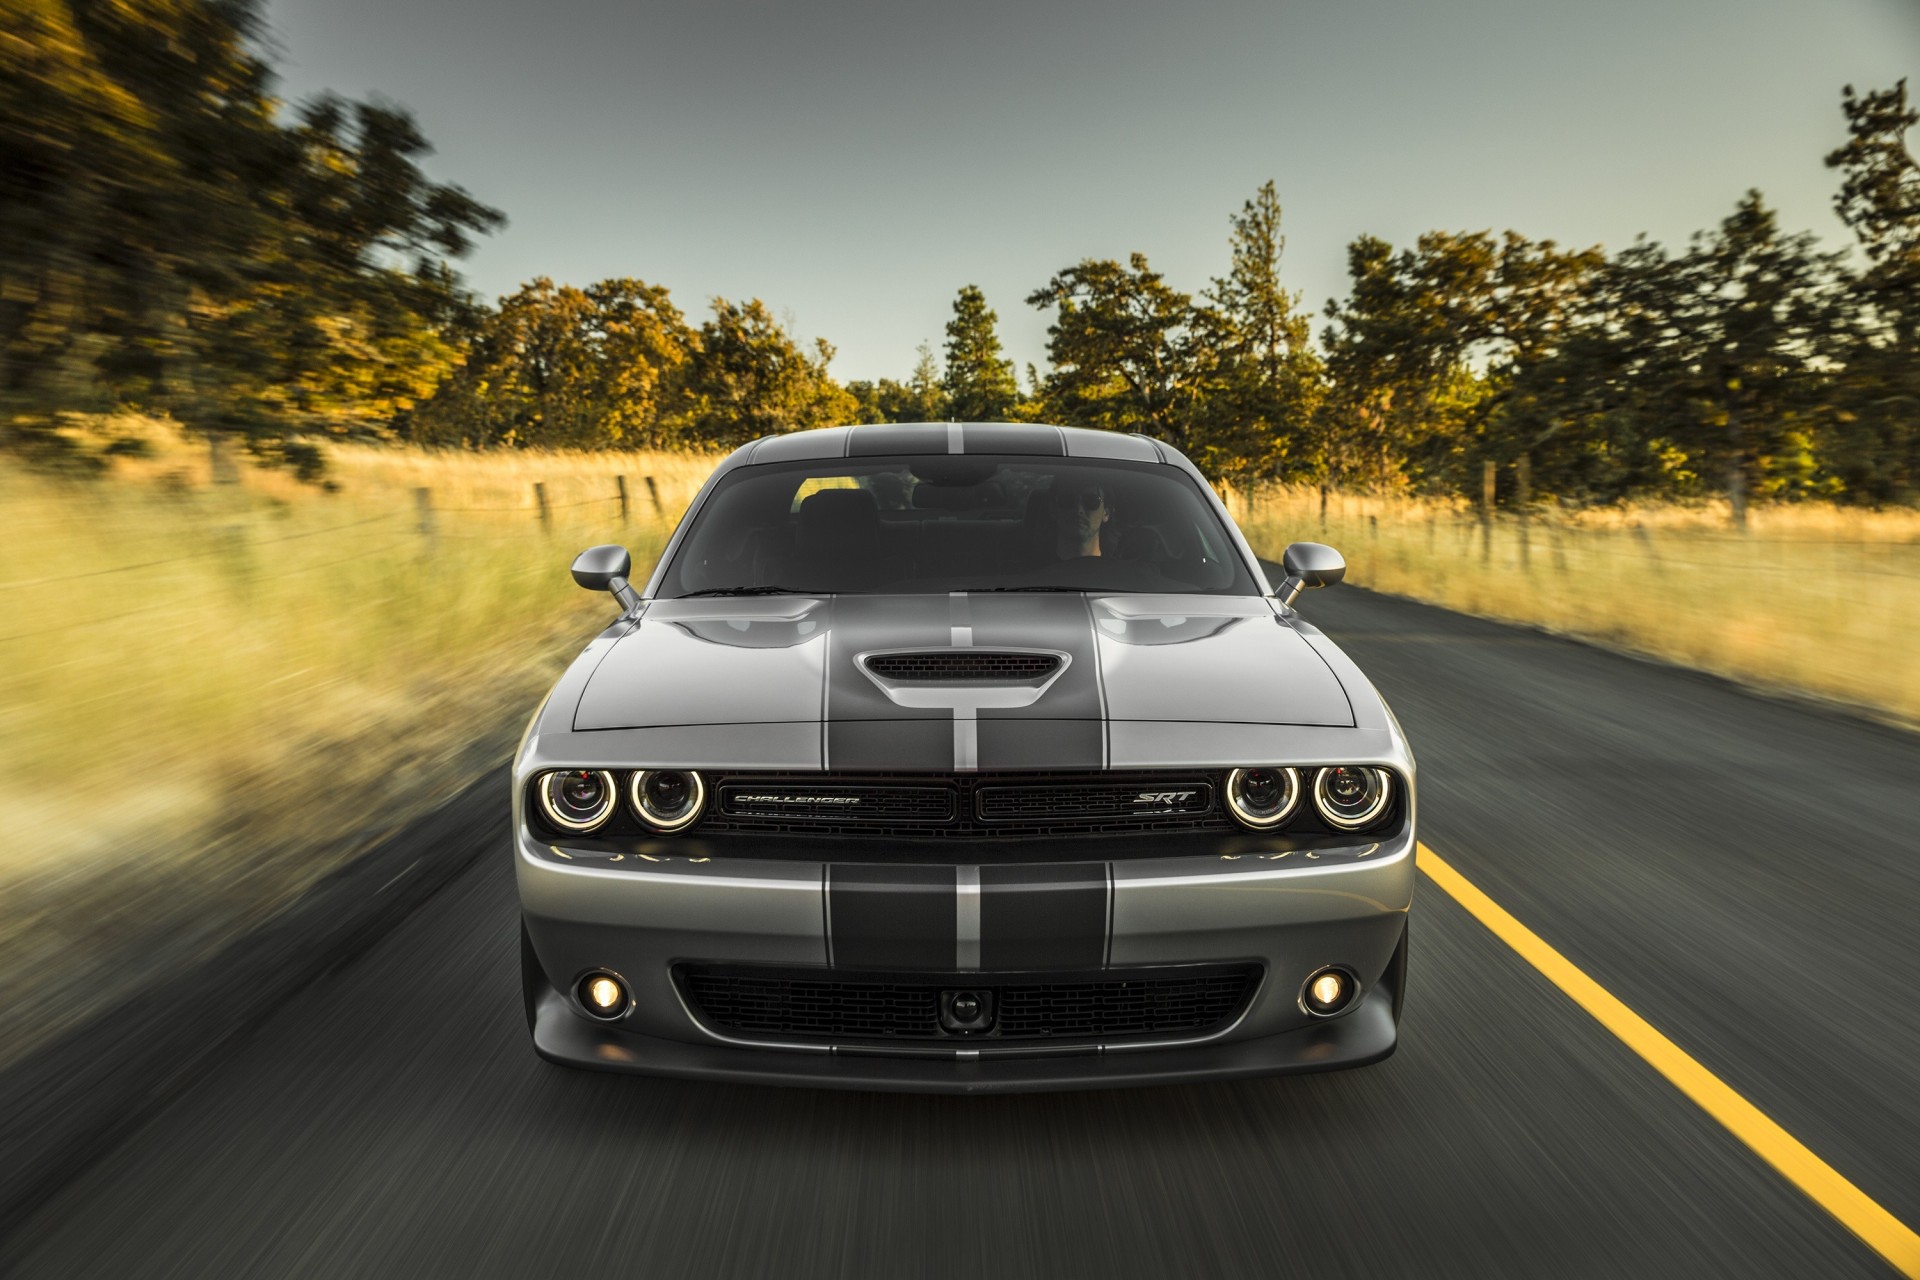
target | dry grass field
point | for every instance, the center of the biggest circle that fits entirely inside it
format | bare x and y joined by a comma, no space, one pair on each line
211,695
1813,599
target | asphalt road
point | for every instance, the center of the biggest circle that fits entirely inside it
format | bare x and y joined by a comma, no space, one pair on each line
1742,872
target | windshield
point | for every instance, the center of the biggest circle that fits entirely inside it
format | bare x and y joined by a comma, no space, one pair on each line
956,522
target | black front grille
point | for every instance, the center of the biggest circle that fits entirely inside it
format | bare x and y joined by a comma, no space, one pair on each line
1100,801
963,666
802,802
966,806
1185,1003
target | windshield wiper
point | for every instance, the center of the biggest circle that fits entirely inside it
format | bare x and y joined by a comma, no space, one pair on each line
985,589
753,591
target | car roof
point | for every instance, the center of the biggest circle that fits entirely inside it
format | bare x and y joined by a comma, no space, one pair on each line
896,438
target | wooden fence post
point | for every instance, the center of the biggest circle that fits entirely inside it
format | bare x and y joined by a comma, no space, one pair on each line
1646,544
653,491
1487,478
221,468
423,511
622,482
540,498
1522,497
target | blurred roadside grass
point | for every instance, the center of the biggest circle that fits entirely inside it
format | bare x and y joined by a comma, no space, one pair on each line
211,695
1814,599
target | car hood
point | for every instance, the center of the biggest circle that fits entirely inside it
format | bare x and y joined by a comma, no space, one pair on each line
1133,658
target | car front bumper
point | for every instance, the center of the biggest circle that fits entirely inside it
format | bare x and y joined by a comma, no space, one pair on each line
640,912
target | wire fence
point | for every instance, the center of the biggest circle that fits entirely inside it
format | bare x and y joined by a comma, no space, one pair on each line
231,534
1550,545
234,536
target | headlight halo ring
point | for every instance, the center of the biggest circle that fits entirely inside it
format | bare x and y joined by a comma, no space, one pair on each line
1264,822
1351,822
637,797
577,826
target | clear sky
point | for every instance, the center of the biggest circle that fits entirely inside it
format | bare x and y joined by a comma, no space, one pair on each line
854,163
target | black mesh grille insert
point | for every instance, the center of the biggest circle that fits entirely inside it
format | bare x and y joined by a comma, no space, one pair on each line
854,1010
968,806
962,665
802,802
1103,1009
1059,803
1188,1002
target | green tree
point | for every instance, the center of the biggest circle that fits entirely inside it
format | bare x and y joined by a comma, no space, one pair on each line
1708,370
1756,325
1433,354
1396,355
921,398
979,382
168,242
1592,406
1874,444
1127,350
1268,381
747,378
555,366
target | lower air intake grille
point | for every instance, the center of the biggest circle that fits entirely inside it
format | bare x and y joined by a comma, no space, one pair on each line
1188,1002
961,666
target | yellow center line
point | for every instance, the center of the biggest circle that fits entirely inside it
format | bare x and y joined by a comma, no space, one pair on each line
1885,1234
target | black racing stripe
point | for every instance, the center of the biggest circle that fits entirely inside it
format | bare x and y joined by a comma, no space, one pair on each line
891,917
891,744
919,437
1000,437
1043,916
1010,742
865,728
1065,727
829,442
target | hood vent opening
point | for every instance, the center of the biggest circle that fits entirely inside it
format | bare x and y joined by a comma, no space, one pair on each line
962,666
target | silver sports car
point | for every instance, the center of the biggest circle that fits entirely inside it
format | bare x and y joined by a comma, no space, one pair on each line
962,757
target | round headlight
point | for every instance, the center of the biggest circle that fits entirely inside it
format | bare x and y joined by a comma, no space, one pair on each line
668,799
1264,796
1350,797
578,799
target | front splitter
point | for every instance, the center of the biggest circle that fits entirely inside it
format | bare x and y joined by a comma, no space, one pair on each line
1366,1035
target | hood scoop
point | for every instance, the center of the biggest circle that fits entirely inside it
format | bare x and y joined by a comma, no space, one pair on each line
962,666
962,679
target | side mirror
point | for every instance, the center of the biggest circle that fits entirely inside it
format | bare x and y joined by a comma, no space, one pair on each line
1309,564
605,568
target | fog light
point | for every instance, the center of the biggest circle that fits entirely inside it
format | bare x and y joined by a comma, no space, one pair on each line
604,995
1327,992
